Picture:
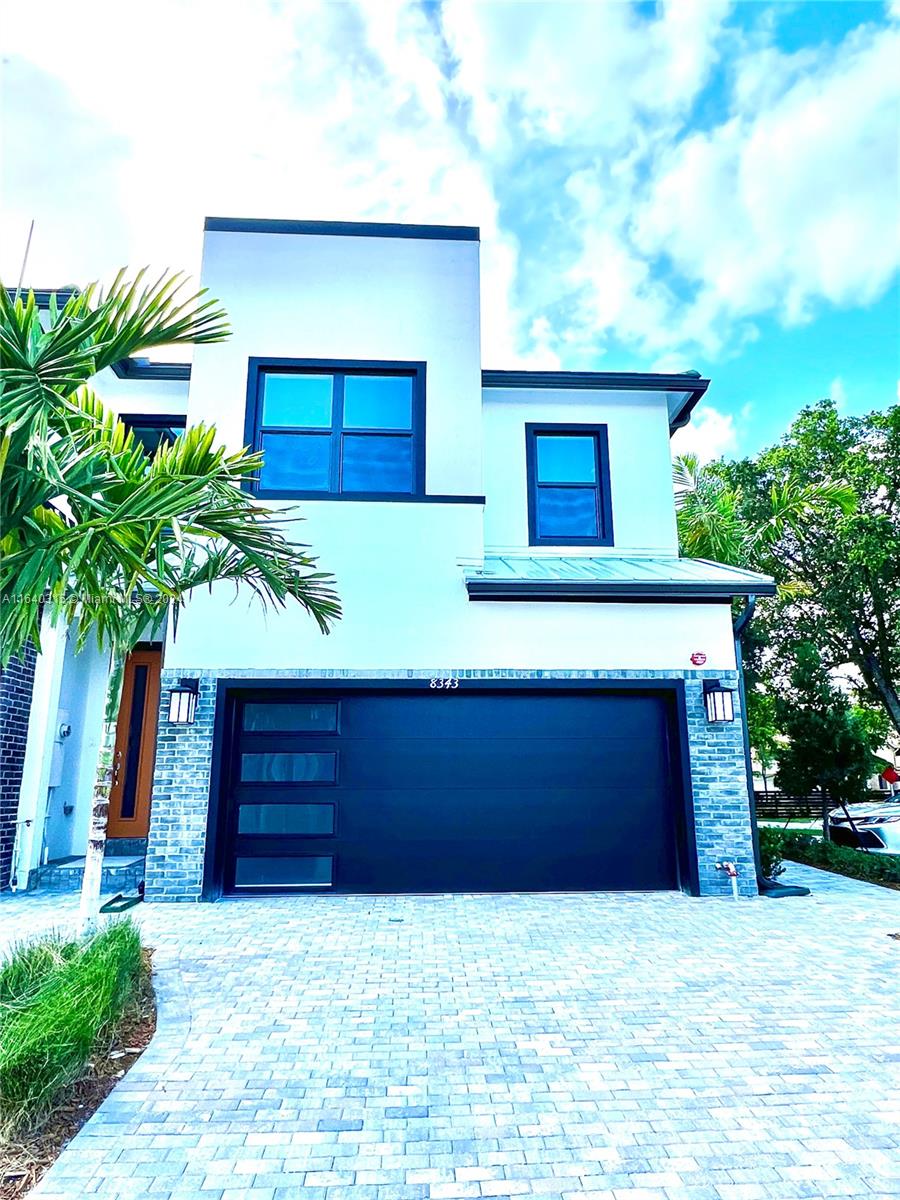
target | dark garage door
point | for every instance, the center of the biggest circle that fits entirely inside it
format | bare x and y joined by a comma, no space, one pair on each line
448,791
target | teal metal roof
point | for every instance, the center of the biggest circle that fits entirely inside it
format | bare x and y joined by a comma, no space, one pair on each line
610,577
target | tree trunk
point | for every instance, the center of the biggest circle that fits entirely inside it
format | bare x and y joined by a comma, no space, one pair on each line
89,909
883,687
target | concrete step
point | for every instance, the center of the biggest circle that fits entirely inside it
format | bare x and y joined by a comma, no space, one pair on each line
121,873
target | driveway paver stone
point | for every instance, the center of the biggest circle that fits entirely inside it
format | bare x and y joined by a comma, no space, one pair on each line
623,1047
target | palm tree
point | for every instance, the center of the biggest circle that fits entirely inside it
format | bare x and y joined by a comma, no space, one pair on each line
713,523
98,533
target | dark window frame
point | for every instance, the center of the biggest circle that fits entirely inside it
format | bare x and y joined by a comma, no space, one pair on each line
254,429
601,487
153,420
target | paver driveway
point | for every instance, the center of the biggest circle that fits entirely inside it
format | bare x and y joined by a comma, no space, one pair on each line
616,1046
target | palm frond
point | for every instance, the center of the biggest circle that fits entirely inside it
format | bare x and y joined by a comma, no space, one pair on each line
138,316
94,529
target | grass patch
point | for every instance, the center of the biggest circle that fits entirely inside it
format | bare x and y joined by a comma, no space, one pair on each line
59,999
778,844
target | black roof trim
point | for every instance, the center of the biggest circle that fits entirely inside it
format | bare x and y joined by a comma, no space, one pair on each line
628,381
493,589
437,233
644,381
143,368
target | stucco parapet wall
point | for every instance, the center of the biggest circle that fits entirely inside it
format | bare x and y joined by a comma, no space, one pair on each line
177,842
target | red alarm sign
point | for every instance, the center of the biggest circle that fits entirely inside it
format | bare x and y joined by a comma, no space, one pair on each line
698,658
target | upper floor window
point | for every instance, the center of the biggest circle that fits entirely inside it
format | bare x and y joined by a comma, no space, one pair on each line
568,485
352,429
153,431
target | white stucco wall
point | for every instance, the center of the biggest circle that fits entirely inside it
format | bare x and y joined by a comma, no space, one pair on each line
405,606
390,299
639,464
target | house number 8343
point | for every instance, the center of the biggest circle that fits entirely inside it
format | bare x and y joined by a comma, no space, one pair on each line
448,684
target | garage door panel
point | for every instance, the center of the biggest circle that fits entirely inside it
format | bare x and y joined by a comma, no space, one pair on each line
487,866
495,791
440,814
461,716
507,762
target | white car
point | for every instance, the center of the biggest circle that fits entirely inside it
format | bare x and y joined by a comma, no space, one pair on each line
878,824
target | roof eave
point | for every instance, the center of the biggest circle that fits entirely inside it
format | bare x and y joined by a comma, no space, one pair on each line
690,383
682,414
143,368
494,589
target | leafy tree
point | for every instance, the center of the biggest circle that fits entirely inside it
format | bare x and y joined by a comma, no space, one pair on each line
829,745
715,523
763,728
95,531
762,714
839,568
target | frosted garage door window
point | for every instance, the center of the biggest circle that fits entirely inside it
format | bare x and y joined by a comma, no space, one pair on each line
308,871
290,718
287,820
277,766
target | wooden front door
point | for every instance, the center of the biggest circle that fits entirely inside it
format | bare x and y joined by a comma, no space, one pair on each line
129,801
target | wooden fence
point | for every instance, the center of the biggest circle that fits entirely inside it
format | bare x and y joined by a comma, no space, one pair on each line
777,806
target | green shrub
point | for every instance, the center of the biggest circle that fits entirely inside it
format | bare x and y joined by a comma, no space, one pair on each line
843,860
29,964
58,999
770,852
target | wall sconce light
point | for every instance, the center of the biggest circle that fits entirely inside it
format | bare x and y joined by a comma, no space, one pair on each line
183,702
719,701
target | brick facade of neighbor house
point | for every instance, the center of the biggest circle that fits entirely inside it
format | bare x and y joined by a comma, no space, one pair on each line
16,682
177,843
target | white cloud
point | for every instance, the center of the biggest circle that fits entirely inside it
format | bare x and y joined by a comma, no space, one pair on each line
304,110
564,131
794,204
711,434
838,392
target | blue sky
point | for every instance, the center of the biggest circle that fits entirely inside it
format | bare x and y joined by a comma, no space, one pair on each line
659,186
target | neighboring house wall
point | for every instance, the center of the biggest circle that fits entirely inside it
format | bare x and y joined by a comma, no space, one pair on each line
16,682
38,762
82,696
125,396
56,775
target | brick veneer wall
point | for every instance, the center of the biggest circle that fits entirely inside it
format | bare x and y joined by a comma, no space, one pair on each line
177,842
16,682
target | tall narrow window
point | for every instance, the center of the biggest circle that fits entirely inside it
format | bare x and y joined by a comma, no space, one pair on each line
328,429
568,485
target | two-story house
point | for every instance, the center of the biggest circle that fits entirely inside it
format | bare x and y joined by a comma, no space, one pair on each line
529,689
